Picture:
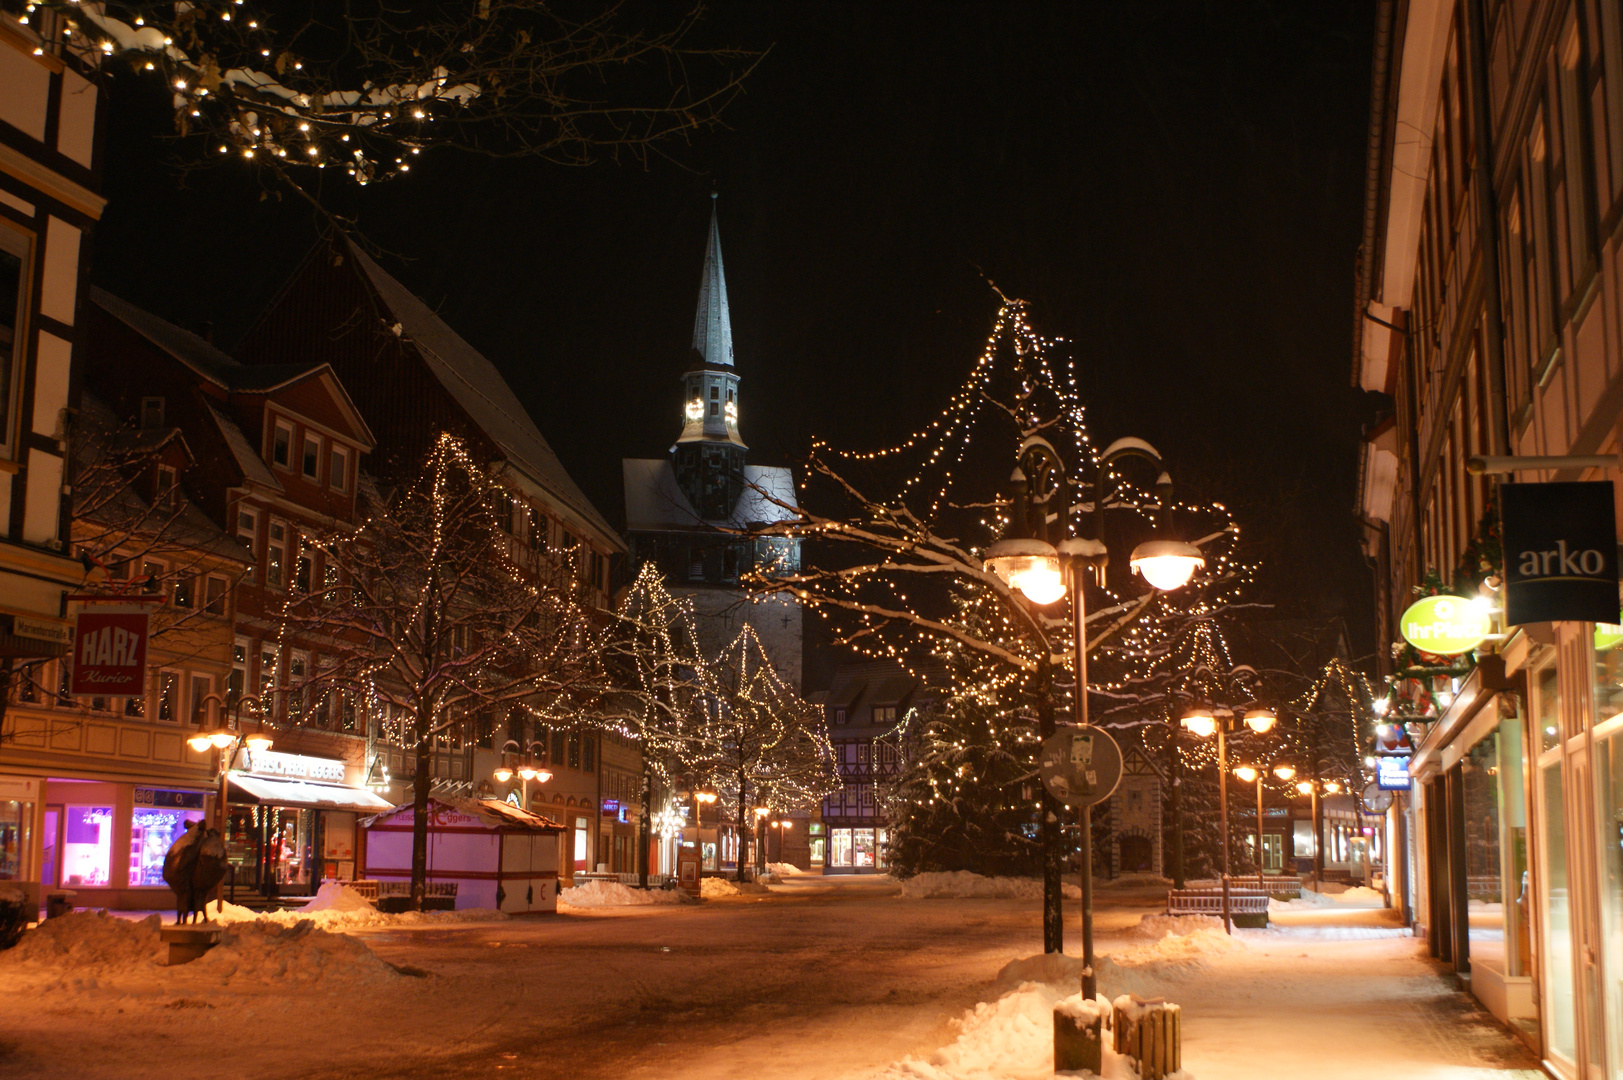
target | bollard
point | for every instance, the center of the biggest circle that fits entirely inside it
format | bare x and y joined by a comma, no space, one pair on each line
1077,1042
1150,1032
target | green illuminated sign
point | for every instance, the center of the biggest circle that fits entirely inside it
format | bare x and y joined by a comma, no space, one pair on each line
1445,625
1608,636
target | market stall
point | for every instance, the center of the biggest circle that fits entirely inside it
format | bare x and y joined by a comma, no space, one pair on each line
498,855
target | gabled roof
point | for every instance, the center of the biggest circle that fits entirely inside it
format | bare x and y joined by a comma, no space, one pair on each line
480,390
655,502
216,367
249,463
712,324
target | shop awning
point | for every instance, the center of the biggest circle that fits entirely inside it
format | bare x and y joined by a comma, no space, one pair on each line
269,791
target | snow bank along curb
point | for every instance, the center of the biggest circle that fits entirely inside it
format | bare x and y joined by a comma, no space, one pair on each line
339,907
601,894
963,884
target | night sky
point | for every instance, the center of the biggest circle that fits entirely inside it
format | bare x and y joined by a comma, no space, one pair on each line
1175,187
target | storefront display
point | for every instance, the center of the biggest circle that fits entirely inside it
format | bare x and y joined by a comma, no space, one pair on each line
856,849
87,845
18,796
158,820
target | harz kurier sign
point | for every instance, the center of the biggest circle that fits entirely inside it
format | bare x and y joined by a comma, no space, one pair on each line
110,652
1560,544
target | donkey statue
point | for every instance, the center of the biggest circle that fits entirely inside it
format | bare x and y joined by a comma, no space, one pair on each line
193,866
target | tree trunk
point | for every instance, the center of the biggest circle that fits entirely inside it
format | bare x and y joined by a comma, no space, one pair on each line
645,822
743,826
419,818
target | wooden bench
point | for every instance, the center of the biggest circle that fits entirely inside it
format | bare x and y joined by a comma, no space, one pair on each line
1250,905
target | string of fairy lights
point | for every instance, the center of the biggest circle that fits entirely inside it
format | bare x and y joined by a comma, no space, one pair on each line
284,111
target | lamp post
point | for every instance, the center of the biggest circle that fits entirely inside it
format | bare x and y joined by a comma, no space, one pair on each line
526,769
701,799
1043,573
761,813
1204,721
1252,774
1311,788
781,824
228,741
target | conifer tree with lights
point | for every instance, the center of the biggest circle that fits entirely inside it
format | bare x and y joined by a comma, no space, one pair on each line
902,573
426,621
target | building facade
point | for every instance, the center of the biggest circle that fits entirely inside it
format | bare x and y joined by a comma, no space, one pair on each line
1490,316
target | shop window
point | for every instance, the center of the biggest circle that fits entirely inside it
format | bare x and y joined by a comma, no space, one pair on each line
16,838
87,845
154,828
168,695
583,839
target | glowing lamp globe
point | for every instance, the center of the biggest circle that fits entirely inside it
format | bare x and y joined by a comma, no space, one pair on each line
527,772
258,741
1245,772
1032,566
1305,787
1284,772
541,776
503,774
1200,722
222,739
199,743
787,824
1260,720
1332,787
1167,564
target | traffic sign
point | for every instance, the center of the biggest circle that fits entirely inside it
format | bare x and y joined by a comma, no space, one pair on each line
1080,765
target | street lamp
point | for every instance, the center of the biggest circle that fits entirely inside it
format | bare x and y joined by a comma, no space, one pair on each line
526,769
701,799
1204,721
1250,775
1043,573
228,741
1311,789
781,824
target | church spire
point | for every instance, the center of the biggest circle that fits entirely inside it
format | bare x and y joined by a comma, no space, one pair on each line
712,325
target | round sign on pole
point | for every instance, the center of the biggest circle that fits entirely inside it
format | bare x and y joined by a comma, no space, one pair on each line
1445,625
1080,765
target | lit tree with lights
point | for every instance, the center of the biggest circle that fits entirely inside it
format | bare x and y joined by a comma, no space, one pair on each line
421,608
360,90
905,569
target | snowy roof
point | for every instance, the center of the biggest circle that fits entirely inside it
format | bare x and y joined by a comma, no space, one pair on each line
492,812
482,392
712,325
655,502
242,451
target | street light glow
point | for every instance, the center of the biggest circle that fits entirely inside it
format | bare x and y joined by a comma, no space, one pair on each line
1201,723
1032,566
1260,720
1284,772
1167,564
1245,772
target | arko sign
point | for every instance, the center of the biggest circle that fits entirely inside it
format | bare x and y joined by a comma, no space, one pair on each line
1444,625
1560,544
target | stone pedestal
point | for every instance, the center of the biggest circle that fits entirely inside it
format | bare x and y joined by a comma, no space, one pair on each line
187,943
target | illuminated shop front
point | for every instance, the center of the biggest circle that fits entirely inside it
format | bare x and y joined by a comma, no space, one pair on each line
856,850
291,821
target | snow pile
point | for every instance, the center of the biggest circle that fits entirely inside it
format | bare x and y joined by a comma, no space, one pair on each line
1051,969
1135,881
1361,896
336,896
1308,899
89,941
964,884
713,887
302,953
341,914
598,894
1156,927
1011,1038
783,869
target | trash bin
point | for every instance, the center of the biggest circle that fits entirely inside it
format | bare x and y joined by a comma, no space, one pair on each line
58,902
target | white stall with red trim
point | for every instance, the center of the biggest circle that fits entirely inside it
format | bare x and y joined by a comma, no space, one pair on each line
498,855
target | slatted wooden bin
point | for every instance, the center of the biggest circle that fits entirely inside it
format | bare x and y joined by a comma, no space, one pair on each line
1150,1032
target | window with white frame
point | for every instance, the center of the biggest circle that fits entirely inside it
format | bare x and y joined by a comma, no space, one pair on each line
267,674
276,554
168,695
310,460
248,527
338,469
298,695
201,686
214,590
237,682
282,445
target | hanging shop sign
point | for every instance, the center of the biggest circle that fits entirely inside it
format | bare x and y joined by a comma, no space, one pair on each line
295,766
110,652
1080,765
1392,772
1445,625
611,807
1560,544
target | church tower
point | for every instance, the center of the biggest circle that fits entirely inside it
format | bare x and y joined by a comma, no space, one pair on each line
709,454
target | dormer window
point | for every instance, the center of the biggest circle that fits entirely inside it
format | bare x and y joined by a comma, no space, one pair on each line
282,445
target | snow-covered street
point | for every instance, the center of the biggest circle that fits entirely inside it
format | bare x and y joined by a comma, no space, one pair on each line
821,977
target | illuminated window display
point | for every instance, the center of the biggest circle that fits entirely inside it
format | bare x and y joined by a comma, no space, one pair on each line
87,848
152,831
15,817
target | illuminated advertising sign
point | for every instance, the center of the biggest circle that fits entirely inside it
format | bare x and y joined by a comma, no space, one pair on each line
1560,544
1445,625
110,653
1392,772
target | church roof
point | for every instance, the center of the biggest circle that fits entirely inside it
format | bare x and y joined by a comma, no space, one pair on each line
655,503
483,394
712,324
